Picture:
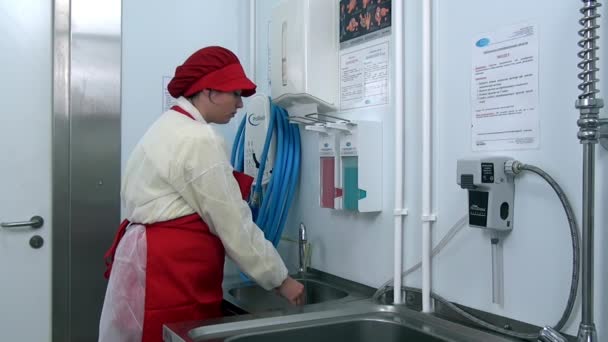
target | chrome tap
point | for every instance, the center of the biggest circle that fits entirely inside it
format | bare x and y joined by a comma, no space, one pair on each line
302,243
549,334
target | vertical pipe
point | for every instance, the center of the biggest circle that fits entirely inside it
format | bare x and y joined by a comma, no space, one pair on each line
252,39
398,14
589,105
497,272
587,331
588,221
426,156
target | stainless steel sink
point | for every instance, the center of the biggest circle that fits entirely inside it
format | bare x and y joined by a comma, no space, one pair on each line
359,321
315,292
358,330
319,288
336,309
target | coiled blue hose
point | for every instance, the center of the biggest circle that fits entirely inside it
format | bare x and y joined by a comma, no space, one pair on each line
270,204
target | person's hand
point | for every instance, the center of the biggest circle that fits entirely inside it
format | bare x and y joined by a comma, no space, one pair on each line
384,12
352,25
366,21
292,290
351,6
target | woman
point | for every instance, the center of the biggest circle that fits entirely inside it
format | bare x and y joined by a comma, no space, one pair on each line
185,209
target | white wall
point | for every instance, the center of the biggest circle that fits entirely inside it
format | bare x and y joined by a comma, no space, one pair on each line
537,254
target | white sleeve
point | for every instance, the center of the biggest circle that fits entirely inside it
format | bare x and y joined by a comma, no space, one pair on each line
206,183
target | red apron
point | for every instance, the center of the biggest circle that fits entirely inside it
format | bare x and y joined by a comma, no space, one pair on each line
184,268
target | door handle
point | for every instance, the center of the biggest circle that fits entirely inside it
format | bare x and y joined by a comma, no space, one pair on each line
34,222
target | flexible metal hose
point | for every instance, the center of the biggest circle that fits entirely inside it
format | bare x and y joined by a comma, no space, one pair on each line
575,241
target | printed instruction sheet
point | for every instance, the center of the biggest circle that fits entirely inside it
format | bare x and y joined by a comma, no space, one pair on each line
504,89
364,77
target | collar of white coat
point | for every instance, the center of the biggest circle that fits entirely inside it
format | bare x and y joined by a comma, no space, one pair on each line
188,107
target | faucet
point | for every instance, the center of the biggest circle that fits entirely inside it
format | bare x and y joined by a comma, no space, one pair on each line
548,334
302,244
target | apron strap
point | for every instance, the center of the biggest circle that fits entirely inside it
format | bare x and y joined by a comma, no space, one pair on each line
109,256
182,111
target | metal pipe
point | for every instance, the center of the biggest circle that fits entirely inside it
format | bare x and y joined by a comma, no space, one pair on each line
589,106
588,230
399,211
252,39
302,242
587,331
497,272
427,217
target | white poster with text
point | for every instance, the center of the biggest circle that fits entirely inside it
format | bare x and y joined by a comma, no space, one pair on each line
504,90
364,77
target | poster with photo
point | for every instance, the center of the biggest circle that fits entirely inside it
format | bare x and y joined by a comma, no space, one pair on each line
363,20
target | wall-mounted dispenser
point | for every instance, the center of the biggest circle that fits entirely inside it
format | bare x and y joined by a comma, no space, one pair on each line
350,165
330,195
304,56
361,164
490,192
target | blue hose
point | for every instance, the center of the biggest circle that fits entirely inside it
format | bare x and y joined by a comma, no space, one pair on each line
272,200
270,204
237,147
259,200
293,180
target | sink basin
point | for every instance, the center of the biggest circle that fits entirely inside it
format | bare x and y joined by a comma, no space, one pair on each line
358,321
319,289
336,309
359,330
315,292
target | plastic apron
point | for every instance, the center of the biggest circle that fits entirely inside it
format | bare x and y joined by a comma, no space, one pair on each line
162,273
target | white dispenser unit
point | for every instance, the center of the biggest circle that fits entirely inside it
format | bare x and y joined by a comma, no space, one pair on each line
350,165
330,192
361,165
304,56
490,192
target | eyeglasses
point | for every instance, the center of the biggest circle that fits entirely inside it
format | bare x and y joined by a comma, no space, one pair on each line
236,93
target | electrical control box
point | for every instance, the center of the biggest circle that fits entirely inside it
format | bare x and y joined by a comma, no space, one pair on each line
490,192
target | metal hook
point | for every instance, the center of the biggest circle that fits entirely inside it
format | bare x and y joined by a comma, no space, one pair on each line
302,120
326,116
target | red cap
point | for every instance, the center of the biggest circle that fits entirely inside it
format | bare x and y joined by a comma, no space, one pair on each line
213,67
